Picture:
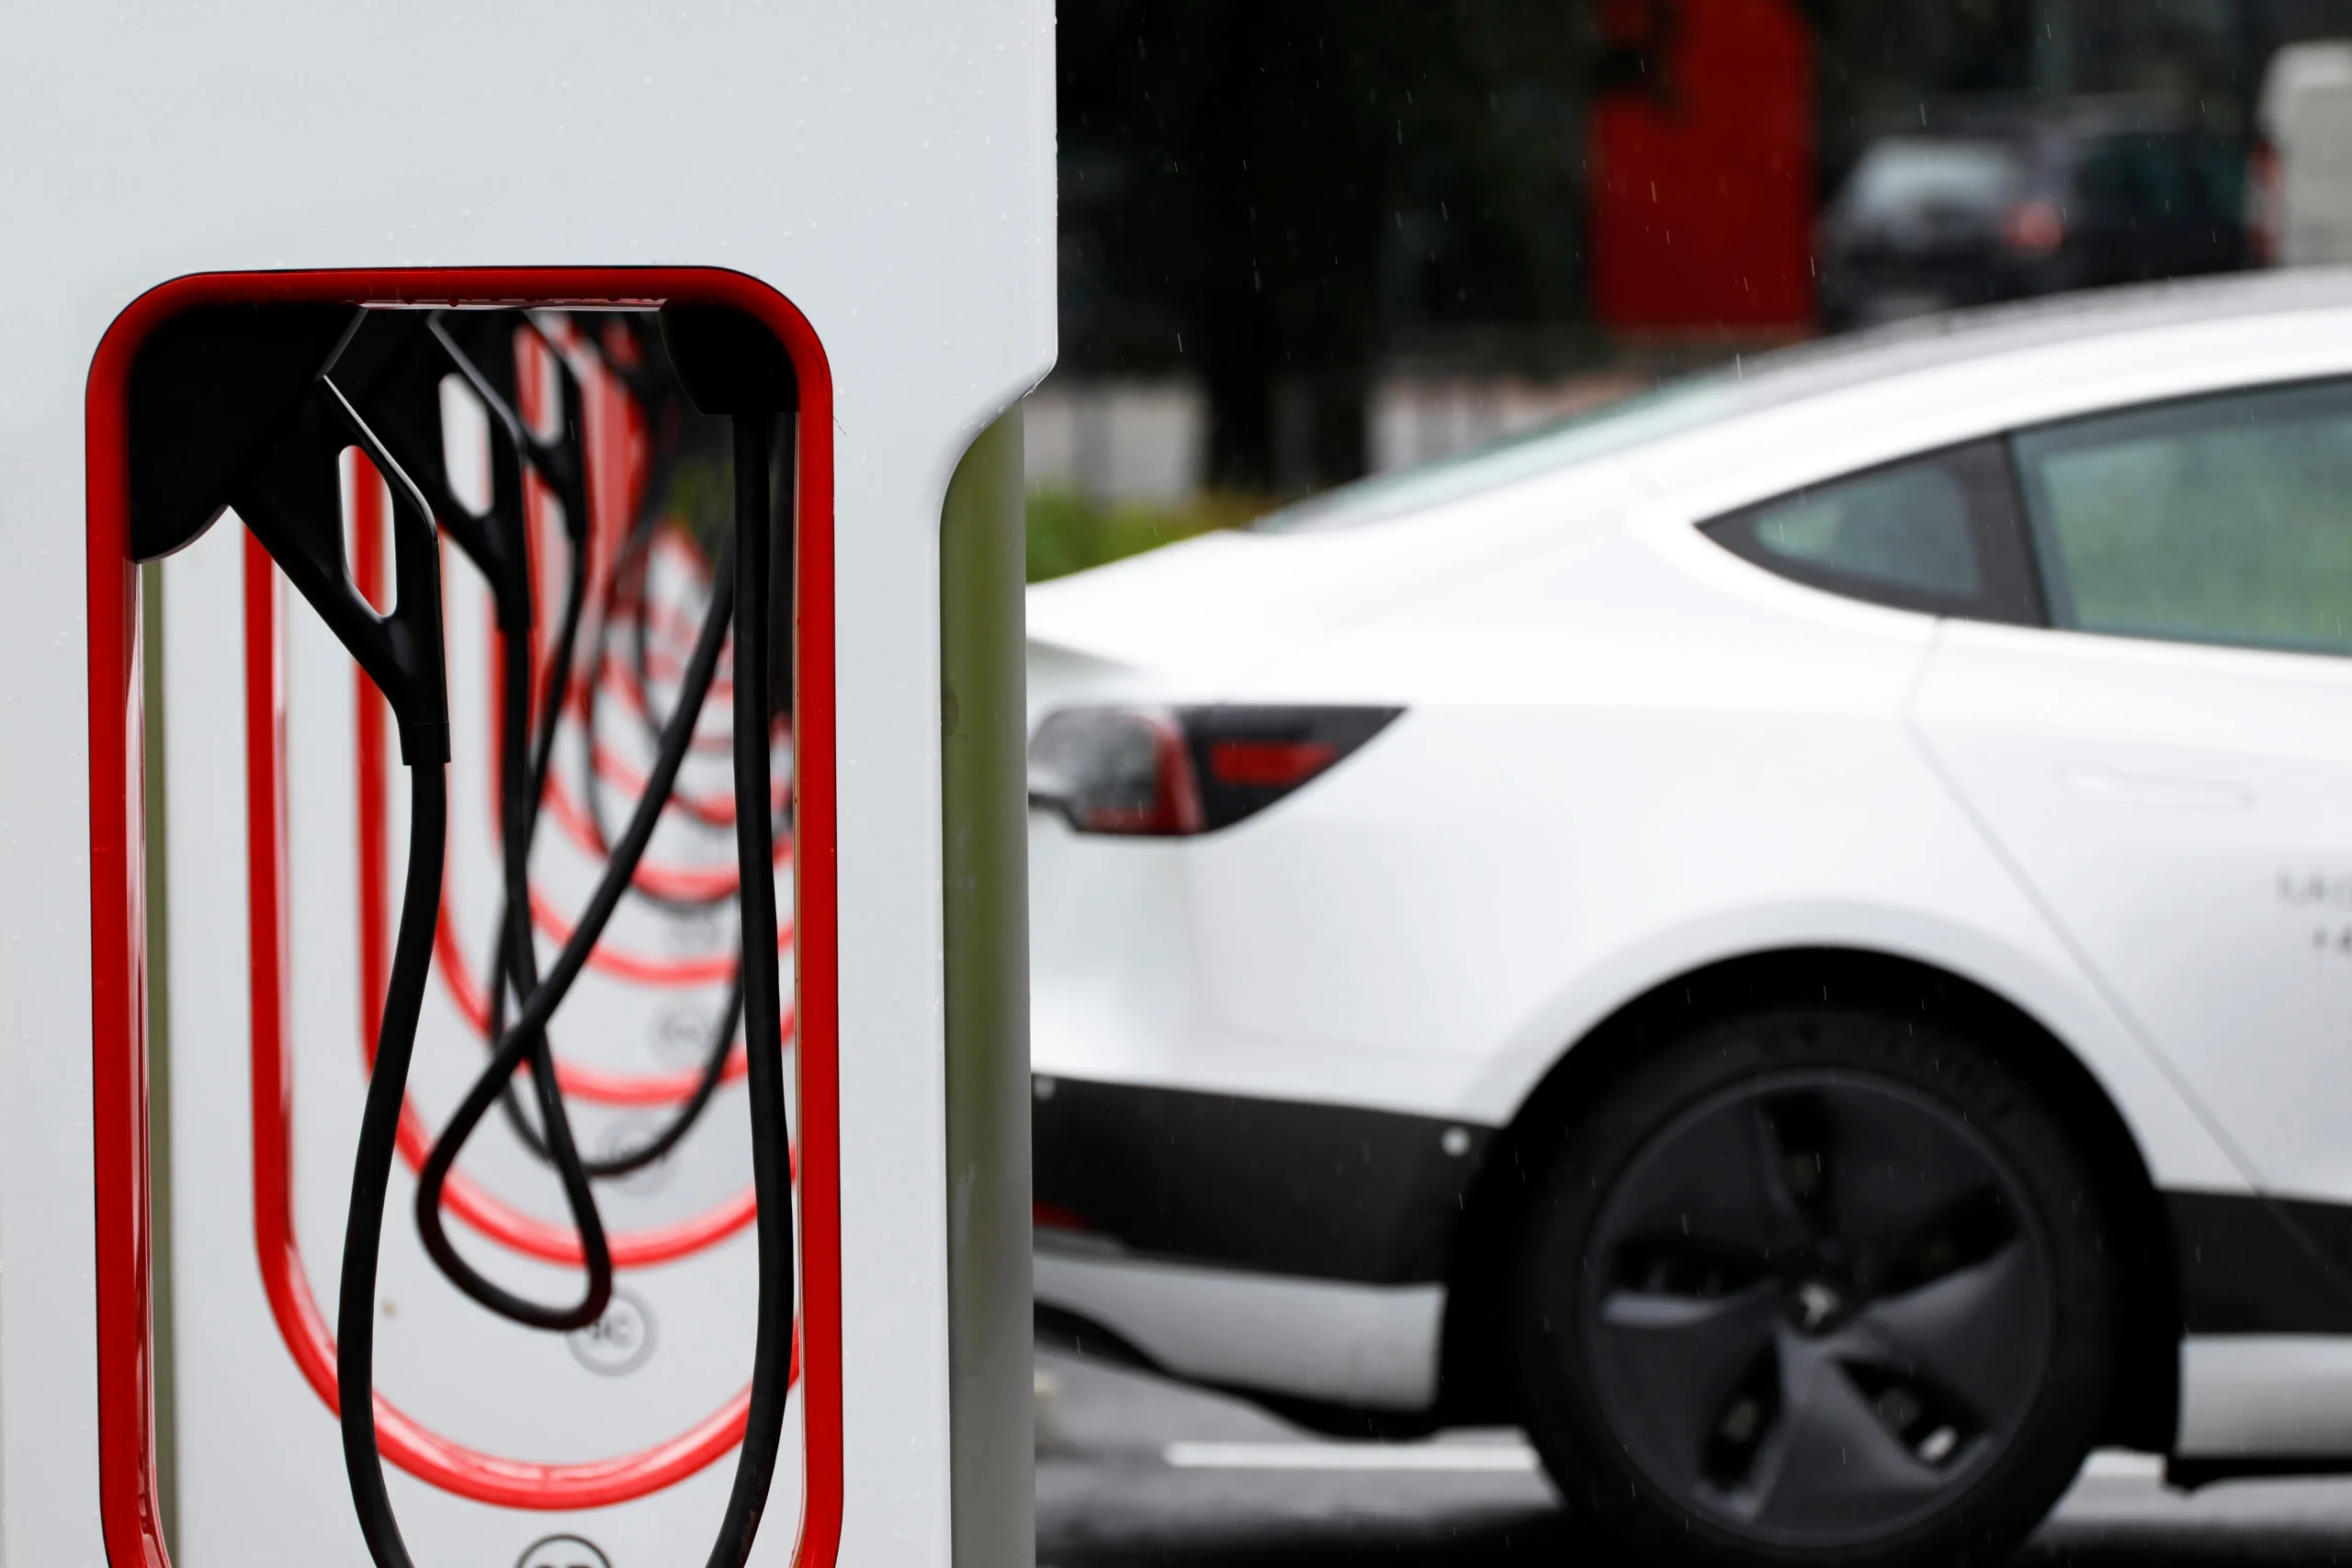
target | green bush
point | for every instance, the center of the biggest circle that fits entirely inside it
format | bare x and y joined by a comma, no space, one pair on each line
1069,533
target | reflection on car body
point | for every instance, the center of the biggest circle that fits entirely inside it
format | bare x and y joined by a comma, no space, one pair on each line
1759,945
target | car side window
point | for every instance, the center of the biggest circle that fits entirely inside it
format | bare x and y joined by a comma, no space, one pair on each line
2138,178
1937,532
2221,519
2106,179
2216,179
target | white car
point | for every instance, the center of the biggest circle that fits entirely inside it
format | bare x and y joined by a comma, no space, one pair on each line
1793,937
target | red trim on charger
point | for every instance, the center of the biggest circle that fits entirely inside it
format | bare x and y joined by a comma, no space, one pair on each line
129,1511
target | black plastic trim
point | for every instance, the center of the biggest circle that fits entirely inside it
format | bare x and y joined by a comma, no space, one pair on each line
1373,1197
2189,1475
1283,1186
209,390
234,406
2256,1265
1346,729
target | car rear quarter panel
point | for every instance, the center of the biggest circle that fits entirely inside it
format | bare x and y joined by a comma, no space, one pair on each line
1622,760
1626,755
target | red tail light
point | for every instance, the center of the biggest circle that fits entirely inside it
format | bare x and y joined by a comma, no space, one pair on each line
1164,772
1055,1217
1116,771
1268,764
2266,202
2033,228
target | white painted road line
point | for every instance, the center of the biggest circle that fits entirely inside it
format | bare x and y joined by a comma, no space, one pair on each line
1454,1457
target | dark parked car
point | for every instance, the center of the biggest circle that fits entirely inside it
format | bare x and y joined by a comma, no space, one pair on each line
1992,205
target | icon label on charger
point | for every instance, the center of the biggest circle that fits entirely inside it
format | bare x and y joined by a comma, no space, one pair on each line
613,1345
694,933
681,1034
562,1552
625,1137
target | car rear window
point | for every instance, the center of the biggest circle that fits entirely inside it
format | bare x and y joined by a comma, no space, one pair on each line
1918,173
1905,527
1621,426
1937,532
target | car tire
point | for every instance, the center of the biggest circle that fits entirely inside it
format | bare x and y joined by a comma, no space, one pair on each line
1814,1286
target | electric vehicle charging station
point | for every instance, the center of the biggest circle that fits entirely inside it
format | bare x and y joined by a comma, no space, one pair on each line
219,843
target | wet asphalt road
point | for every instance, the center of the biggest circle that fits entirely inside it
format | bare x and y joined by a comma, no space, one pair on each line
1133,1471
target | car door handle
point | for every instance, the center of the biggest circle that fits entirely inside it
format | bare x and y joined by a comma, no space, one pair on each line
2102,782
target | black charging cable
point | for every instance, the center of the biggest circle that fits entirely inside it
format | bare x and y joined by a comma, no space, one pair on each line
630,590
523,792
626,603
379,1121
524,751
513,1045
742,596
394,363
630,582
762,992
379,1125
478,347
235,406
743,585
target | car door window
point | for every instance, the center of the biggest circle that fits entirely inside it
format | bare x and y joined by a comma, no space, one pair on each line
2216,174
1935,533
2107,182
2161,169
2218,520
2135,183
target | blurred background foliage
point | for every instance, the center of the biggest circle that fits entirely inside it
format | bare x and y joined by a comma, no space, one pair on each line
1068,532
1250,191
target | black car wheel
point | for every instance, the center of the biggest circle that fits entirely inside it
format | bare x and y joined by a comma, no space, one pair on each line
1816,1287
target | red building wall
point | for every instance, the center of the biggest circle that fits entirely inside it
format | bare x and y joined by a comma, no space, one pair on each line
1701,167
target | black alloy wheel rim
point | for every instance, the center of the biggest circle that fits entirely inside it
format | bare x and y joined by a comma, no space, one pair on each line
1817,1308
